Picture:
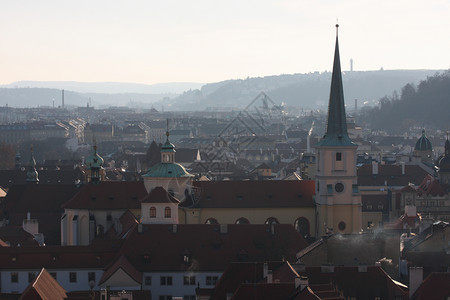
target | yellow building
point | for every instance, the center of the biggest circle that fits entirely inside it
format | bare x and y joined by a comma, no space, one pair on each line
252,202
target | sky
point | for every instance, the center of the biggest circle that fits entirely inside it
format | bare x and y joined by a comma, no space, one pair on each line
204,41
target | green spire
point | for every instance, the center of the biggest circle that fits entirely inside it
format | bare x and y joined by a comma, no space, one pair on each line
336,134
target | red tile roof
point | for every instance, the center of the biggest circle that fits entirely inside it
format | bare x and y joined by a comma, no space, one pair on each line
97,255
159,195
203,247
108,195
238,273
44,287
43,201
435,286
263,291
16,236
372,283
430,186
269,193
123,264
390,174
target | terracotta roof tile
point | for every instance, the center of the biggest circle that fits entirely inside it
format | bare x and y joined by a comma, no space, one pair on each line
159,195
435,286
126,266
269,193
162,247
263,291
44,287
43,201
390,174
108,195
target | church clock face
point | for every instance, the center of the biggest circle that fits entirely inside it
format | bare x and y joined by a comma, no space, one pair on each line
339,187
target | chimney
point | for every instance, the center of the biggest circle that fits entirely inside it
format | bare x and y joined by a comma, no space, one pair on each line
272,228
374,168
174,228
415,279
302,282
265,269
223,228
269,277
140,227
403,167
362,268
327,268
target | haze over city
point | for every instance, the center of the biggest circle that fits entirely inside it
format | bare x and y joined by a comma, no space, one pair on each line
207,41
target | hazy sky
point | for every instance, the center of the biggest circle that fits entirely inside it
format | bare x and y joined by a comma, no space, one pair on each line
153,41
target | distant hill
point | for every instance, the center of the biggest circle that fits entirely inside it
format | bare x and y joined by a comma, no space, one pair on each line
308,91
426,104
301,90
108,87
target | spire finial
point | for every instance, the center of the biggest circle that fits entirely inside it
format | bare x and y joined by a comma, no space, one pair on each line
337,29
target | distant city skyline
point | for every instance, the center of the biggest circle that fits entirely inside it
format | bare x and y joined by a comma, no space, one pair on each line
208,41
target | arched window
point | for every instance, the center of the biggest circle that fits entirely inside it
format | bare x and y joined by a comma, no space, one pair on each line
152,212
271,221
167,212
302,226
211,221
242,221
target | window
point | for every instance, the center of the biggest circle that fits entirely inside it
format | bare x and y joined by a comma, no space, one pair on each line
166,280
339,187
271,221
152,212
329,188
91,276
242,221
148,280
53,274
338,156
189,280
341,226
72,277
211,221
167,212
14,277
211,280
31,276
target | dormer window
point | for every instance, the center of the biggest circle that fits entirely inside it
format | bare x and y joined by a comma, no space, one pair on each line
152,212
167,212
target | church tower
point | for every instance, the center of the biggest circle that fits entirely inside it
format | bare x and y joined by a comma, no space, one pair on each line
32,173
338,202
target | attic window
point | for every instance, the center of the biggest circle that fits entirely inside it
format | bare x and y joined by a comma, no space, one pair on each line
208,198
111,198
170,172
239,197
